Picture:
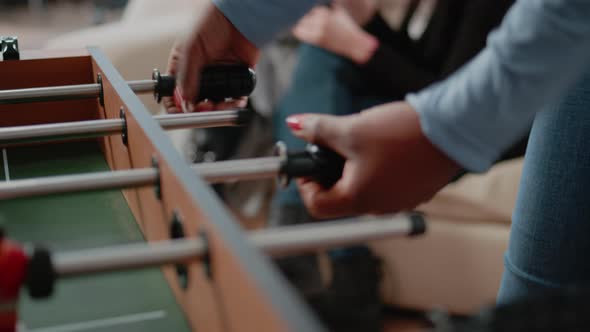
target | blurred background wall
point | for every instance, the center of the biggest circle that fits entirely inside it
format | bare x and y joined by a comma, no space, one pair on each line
36,21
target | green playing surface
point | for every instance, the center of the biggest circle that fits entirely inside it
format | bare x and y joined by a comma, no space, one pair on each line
129,301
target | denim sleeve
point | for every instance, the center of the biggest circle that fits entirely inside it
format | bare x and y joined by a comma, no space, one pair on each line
261,20
539,51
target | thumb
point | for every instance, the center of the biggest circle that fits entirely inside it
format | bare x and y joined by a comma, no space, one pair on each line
326,130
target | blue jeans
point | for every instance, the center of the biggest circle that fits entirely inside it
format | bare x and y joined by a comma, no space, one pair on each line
550,236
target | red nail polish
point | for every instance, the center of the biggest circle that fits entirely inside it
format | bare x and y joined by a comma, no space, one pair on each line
295,122
179,101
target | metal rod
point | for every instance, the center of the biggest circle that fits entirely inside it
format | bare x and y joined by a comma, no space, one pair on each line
142,86
288,240
133,256
78,91
78,183
34,133
239,170
217,172
298,239
200,120
94,128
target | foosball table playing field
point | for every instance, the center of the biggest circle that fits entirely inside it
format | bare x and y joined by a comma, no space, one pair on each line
105,227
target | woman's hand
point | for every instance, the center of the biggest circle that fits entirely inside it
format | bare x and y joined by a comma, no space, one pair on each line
168,102
213,40
335,30
390,164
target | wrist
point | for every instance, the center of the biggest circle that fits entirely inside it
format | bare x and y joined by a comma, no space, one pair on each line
365,47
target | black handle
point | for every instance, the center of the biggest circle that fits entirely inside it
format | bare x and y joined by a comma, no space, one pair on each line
9,48
321,164
217,83
41,276
226,81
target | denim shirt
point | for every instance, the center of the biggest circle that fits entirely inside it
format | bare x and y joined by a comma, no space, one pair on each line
539,51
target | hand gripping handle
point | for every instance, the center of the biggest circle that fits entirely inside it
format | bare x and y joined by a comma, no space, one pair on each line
218,82
318,163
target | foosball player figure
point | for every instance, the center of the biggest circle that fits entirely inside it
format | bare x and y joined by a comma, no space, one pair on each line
13,265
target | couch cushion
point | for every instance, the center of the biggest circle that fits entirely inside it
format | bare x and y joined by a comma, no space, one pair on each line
484,197
455,265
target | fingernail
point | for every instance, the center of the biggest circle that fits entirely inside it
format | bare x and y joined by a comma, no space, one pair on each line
295,122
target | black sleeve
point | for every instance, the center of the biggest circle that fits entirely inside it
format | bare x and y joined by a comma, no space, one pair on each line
393,73
480,17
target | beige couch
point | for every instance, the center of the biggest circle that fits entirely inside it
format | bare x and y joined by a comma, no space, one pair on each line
142,39
457,265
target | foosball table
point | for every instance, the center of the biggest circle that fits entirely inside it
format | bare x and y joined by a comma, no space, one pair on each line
106,227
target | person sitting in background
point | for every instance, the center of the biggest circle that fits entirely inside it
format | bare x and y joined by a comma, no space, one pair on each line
357,55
